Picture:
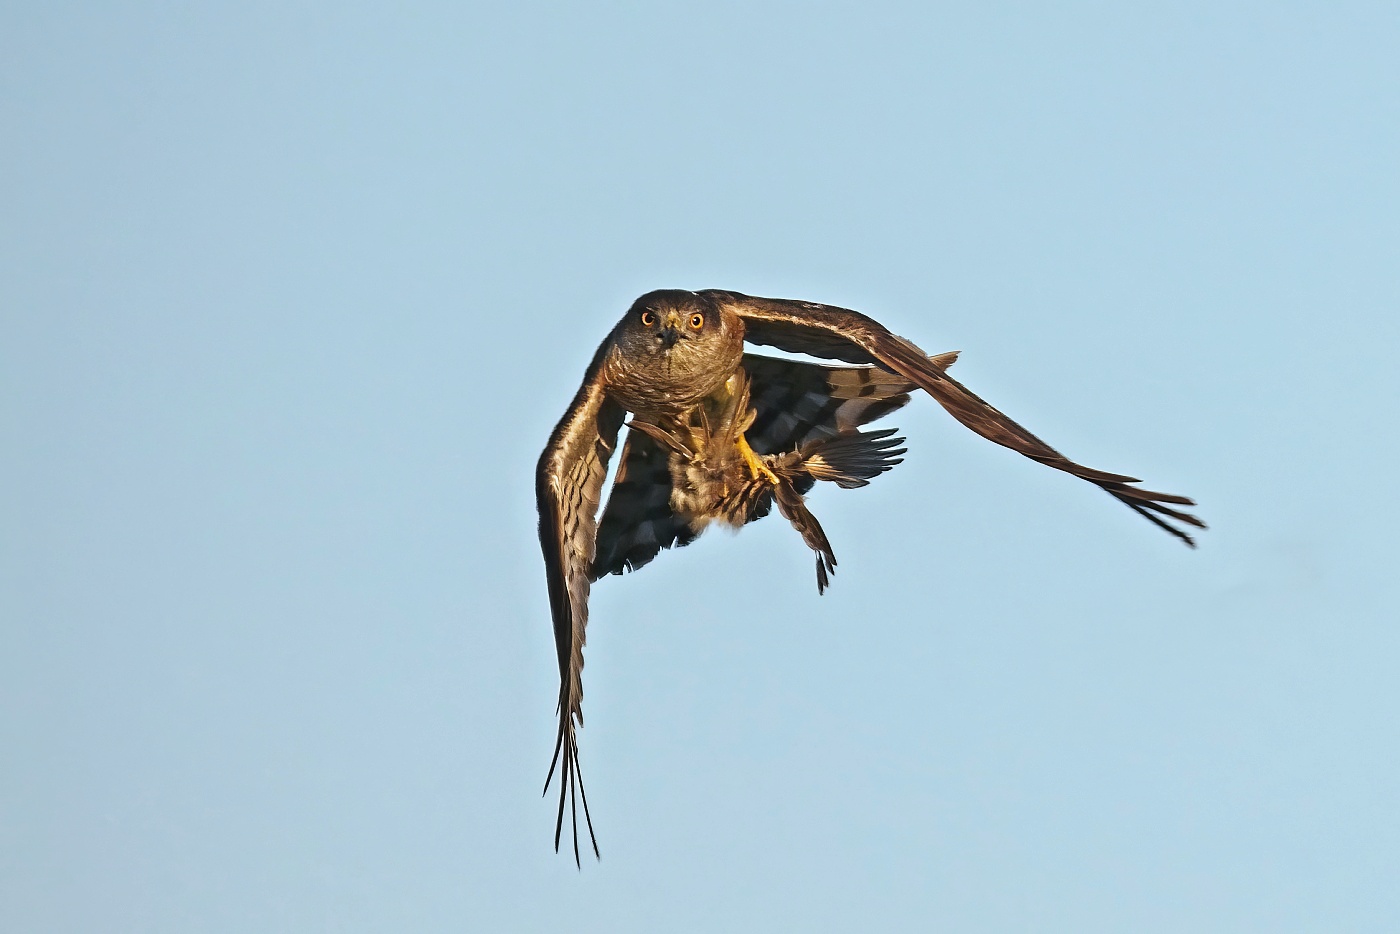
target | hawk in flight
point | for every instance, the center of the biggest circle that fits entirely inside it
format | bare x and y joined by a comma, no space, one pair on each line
720,435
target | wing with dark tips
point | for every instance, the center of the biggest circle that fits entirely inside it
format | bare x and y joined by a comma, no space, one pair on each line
796,403
568,481
843,334
638,522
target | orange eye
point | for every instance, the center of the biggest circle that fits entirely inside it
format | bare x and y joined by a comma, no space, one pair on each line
648,319
697,321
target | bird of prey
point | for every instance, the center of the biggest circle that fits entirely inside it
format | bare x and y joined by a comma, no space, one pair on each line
720,435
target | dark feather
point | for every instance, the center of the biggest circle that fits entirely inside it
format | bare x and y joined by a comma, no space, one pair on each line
796,402
638,522
853,459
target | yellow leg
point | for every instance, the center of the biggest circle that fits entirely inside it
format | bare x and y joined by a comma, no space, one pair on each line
756,465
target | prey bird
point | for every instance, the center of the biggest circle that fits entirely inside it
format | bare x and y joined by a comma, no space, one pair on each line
720,435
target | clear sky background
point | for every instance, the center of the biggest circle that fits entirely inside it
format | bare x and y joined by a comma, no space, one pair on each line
291,296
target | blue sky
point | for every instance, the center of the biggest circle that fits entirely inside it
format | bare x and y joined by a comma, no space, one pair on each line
291,296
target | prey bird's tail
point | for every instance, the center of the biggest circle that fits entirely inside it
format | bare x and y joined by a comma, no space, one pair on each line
854,458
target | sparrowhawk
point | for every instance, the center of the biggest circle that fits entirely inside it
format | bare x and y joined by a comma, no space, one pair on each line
718,434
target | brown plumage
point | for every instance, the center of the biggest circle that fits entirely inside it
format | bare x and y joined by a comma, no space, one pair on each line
718,435
710,480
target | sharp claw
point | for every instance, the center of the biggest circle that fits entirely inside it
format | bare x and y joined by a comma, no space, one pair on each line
756,465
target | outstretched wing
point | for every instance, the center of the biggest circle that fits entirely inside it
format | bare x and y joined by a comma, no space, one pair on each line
842,334
568,481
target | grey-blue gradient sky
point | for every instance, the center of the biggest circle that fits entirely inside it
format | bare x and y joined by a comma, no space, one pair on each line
292,294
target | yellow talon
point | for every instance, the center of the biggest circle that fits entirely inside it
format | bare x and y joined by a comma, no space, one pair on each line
756,465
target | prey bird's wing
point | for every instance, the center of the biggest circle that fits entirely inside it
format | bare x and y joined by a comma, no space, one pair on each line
568,482
795,402
842,334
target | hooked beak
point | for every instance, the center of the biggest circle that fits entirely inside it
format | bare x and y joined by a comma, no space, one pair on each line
670,330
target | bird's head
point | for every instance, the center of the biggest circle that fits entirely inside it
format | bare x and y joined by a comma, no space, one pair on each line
674,324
